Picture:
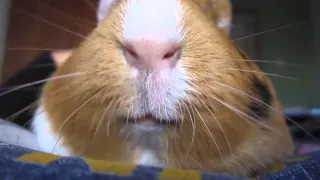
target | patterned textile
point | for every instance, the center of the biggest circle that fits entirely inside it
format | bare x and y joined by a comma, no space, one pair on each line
19,163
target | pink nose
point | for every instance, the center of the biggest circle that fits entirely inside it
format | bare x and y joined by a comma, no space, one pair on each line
151,55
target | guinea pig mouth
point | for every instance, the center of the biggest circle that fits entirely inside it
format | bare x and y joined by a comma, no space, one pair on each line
150,120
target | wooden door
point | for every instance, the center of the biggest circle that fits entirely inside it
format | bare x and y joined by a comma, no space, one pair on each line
37,25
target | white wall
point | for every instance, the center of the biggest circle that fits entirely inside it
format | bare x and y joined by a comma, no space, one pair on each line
4,20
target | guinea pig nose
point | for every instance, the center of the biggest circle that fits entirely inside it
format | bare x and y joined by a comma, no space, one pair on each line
151,55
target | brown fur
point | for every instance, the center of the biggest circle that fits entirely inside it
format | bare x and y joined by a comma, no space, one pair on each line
216,10
224,141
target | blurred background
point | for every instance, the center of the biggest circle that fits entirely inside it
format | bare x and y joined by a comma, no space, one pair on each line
284,35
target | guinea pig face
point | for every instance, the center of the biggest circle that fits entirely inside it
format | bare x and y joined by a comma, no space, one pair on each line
163,52
167,71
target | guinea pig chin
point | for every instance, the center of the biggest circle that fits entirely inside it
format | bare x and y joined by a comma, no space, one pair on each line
157,96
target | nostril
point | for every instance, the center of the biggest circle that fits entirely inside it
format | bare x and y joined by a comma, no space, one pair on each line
151,55
174,54
131,56
169,55
131,52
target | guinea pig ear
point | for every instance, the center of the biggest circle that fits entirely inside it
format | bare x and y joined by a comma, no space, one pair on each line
60,57
223,14
103,8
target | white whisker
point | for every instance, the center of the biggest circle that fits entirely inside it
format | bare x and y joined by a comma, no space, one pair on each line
259,72
211,135
218,122
263,103
100,122
246,22
65,15
271,30
74,112
193,122
91,5
240,113
14,115
39,82
53,25
264,61
33,49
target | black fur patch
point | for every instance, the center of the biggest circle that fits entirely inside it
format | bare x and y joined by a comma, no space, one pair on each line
261,93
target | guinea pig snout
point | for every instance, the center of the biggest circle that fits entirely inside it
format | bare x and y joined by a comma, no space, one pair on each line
151,55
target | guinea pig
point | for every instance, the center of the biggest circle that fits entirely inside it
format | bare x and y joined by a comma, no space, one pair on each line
160,83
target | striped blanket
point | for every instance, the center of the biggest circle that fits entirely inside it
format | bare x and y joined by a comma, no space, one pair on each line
17,163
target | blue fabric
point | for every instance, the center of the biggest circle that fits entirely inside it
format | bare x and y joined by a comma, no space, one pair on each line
302,167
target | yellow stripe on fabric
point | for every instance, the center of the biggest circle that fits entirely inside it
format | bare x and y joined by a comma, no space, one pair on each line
277,167
297,159
179,174
41,158
95,165
110,167
281,165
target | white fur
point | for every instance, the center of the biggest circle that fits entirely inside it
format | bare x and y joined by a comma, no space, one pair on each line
156,93
149,158
147,139
157,21
47,140
223,23
160,94
152,19
103,8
